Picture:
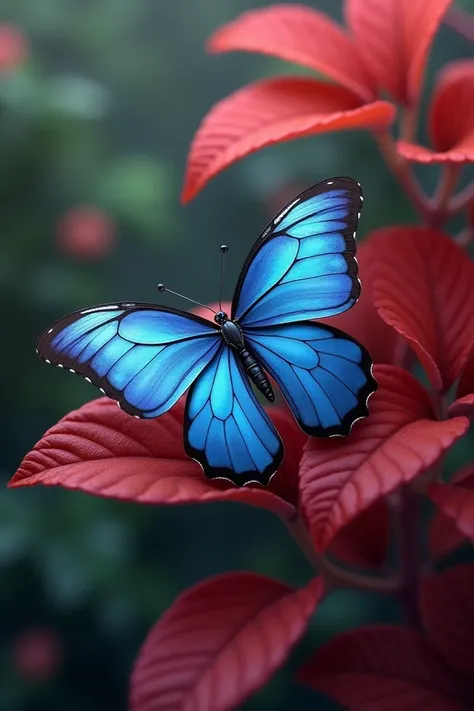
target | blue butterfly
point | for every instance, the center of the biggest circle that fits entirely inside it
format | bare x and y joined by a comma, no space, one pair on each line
145,356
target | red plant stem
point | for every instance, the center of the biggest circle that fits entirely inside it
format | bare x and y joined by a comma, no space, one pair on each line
409,543
334,576
402,171
461,22
462,200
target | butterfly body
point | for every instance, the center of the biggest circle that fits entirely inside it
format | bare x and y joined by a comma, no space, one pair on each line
234,337
147,356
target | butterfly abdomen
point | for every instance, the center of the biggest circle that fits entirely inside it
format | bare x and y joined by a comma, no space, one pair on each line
257,374
233,336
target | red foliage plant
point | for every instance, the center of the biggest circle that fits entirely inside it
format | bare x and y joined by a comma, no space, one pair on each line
222,639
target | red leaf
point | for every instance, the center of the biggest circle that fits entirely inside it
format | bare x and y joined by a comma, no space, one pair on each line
220,641
272,111
101,450
462,406
389,668
466,381
451,118
363,322
447,609
364,541
394,38
444,535
456,501
298,34
463,152
341,477
422,286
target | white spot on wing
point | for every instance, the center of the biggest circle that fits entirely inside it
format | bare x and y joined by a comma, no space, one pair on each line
50,330
137,417
60,365
71,370
282,214
102,391
330,182
88,379
111,307
47,361
361,198
358,215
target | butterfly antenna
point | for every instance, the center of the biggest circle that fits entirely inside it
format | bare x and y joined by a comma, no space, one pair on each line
224,250
162,287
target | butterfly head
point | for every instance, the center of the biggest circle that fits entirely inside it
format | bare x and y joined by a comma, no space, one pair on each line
221,317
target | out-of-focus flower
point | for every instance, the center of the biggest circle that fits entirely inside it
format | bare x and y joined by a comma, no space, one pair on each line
86,232
36,654
13,48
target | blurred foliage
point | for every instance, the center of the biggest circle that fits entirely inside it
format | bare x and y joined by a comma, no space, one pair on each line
99,117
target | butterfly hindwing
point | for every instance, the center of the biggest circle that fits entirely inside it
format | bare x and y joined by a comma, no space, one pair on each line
142,355
303,266
226,429
324,374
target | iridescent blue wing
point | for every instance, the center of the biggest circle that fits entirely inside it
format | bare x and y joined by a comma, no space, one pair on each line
142,355
226,429
324,374
303,266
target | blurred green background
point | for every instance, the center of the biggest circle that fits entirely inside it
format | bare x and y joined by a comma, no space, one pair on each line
95,124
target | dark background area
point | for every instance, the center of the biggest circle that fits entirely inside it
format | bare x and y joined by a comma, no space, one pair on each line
94,132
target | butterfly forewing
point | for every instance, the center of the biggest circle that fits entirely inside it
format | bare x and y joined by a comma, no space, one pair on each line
142,355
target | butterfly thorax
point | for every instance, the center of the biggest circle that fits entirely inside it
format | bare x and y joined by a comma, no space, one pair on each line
234,337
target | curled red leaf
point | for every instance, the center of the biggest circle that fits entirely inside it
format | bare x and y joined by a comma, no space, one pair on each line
393,38
272,111
389,668
341,477
101,450
456,501
451,118
422,286
220,641
444,534
447,609
298,34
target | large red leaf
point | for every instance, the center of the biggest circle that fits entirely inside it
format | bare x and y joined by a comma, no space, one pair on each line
101,450
301,35
456,501
363,322
444,534
422,286
394,38
272,111
219,642
447,609
341,477
451,118
389,668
